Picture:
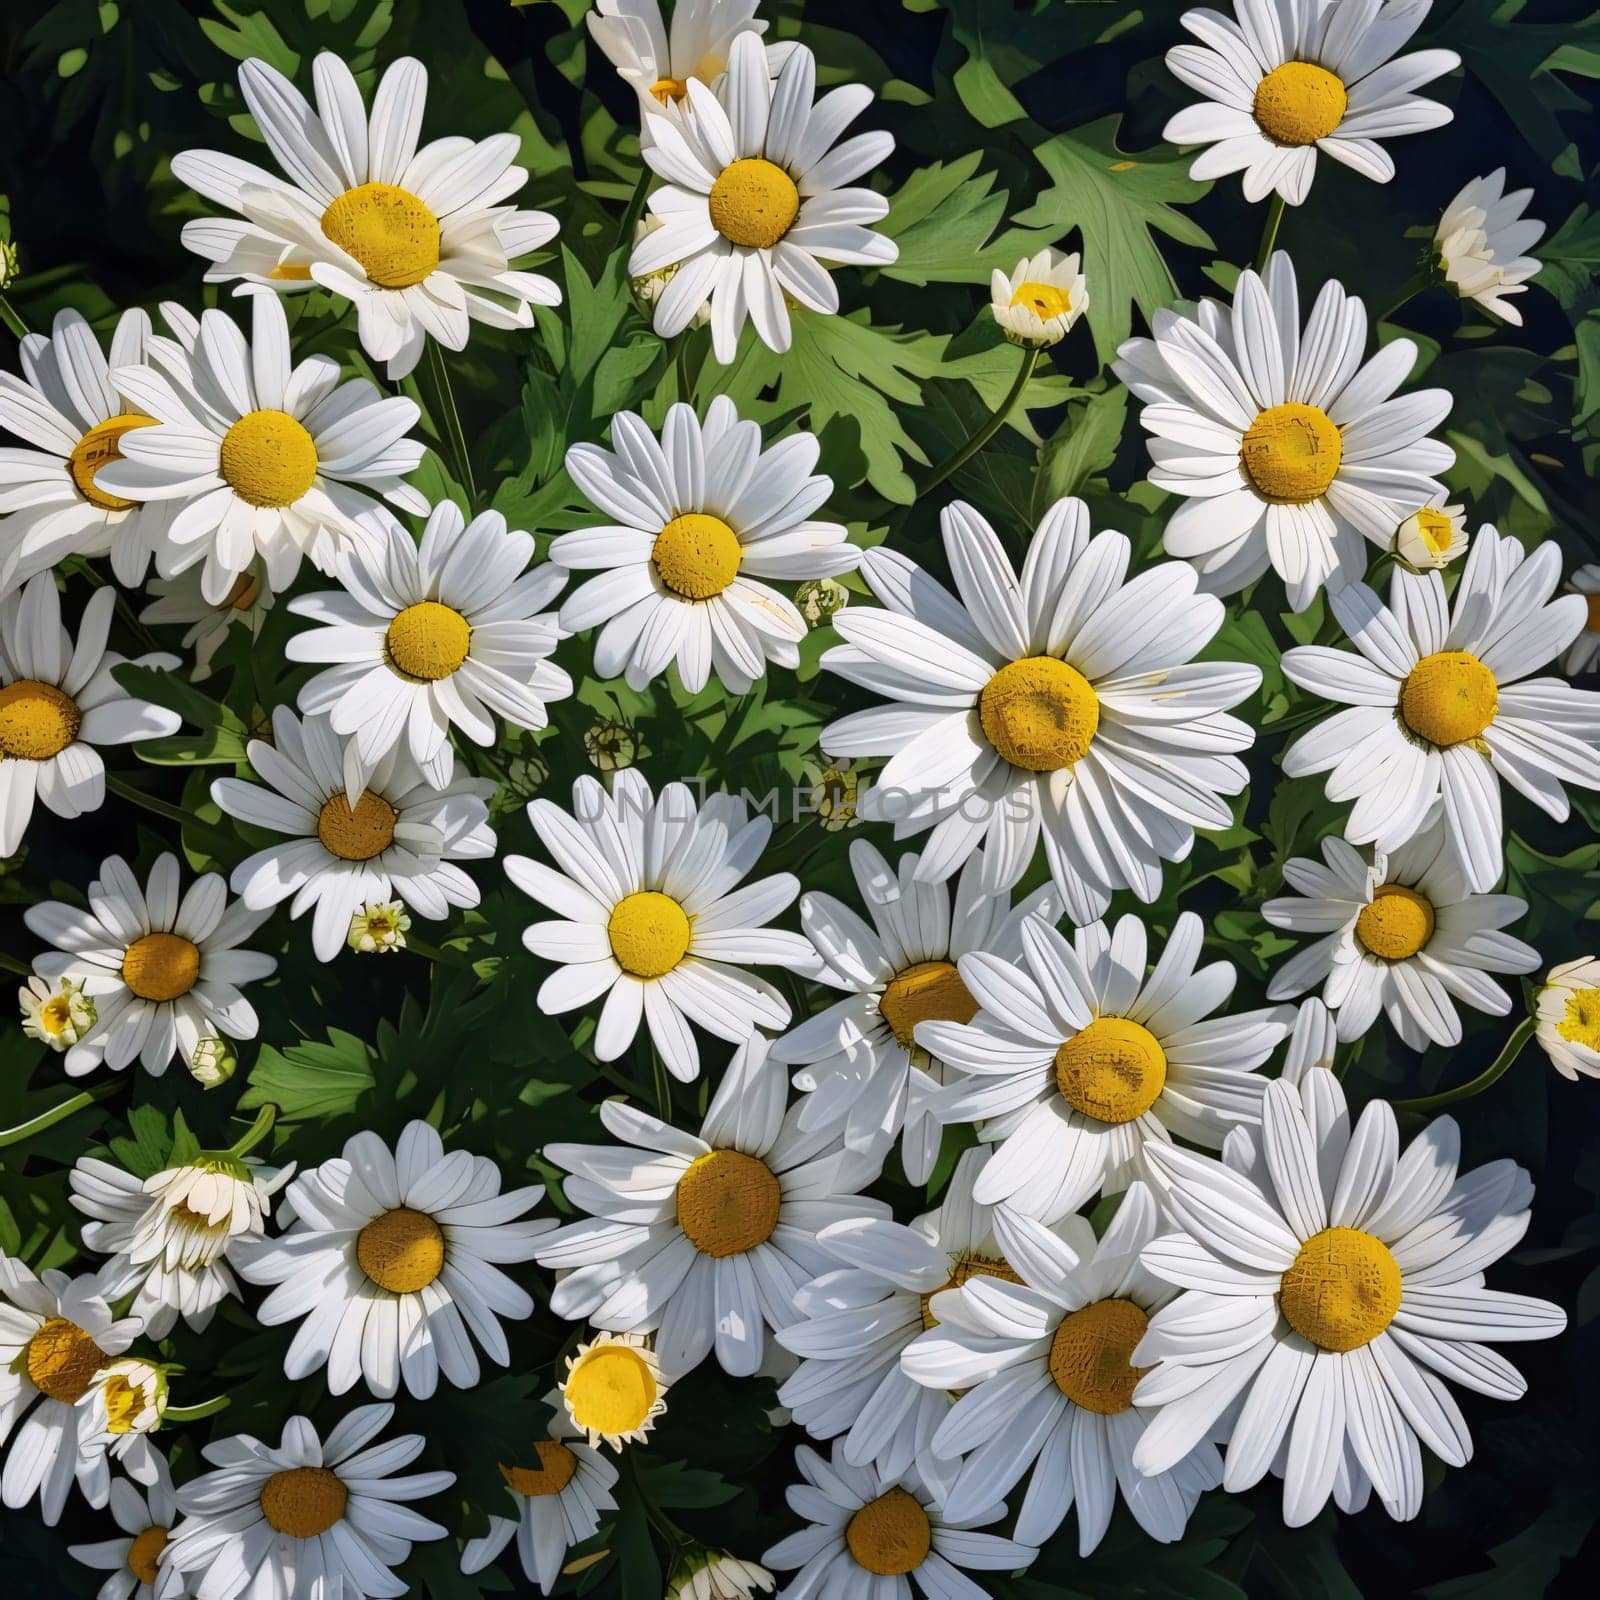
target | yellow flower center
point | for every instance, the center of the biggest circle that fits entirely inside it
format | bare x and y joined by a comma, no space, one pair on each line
930,991
890,1535
1091,1356
1299,103
243,593
611,1390
1397,923
1113,1070
428,641
1045,300
1039,713
1342,1290
124,1401
754,203
1291,453
389,231
144,1554
649,933
401,1251
161,966
55,1015
1435,529
62,1360
1581,1021
291,272
696,555
667,90
967,1268
728,1203
1449,698
357,835
1593,623
37,720
303,1501
268,459
554,1472
98,447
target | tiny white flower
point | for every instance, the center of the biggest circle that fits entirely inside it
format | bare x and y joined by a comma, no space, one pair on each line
614,1389
1483,239
57,1016
1433,536
1584,652
379,927
181,601
1568,1009
1041,299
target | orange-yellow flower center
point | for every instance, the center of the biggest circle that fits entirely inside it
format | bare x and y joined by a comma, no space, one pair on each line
61,1360
649,933
1580,1022
728,1203
964,1270
1449,698
612,1390
389,231
1039,713
37,720
161,966
357,835
303,1501
754,203
268,459
144,1554
428,641
1045,300
402,1250
554,1472
1342,1290
1114,1070
930,991
1091,1355
1299,103
696,555
1397,922
99,446
1291,453
890,1535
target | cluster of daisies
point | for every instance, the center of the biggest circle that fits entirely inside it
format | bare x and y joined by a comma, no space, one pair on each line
1279,1287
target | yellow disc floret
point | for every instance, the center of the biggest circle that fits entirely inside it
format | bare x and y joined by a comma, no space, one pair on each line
649,933
62,1359
696,555
1397,922
161,966
1113,1070
144,1554
357,835
402,1250
554,1472
389,231
1593,622
728,1203
97,448
890,1535
1291,453
612,1389
1299,103
427,641
1435,529
303,1501
964,1270
1091,1355
1342,1290
268,459
1039,713
1580,1022
666,91
1449,698
37,720
930,991
754,203
1045,300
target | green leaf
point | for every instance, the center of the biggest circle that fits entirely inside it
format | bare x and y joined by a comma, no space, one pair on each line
310,1080
146,1152
942,219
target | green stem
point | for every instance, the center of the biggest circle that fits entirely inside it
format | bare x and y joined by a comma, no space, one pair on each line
447,420
130,618
11,964
429,952
256,1132
203,1408
160,808
8,315
1030,360
1269,233
1491,1074
1409,290
663,1086
635,210
48,1119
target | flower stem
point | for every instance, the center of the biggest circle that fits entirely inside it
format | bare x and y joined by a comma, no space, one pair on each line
1030,360
1491,1074
59,1113
1269,232
256,1132
447,422
11,964
1409,290
11,318
635,208
132,792
194,1413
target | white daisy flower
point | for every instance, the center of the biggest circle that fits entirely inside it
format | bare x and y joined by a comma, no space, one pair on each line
1483,239
1433,536
396,836
179,602
393,1261
123,1405
1039,302
418,240
59,703
1313,1041
864,1075
58,1014
316,1519
887,1537
1583,654
164,972
1044,1355
1286,80
754,198
701,518
1064,705
1440,704
56,1333
717,1575
1078,1062
1568,1012
652,917
703,1240
657,59
145,1518
1331,1284
170,1235
856,1322
559,1491
1400,934
272,461
614,1389
1286,449
430,638
68,408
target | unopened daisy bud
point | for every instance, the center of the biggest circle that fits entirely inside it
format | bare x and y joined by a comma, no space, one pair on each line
379,927
1038,304
214,1061
648,288
1482,239
1568,1014
611,746
10,263
818,598
1432,536
716,1575
57,1016
126,1396
614,1389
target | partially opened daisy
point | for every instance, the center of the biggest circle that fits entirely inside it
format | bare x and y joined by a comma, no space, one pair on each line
1483,239
58,703
864,1074
420,241
702,1239
164,972
398,836
559,1486
1037,304
315,1518
613,1389
392,1264
701,519
1287,449
257,458
425,639
1331,1284
1063,706
1584,652
652,916
181,602
1286,80
658,58
144,1517
1043,1356
1078,1061
1442,705
1400,934
755,198
1568,1013
868,1534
